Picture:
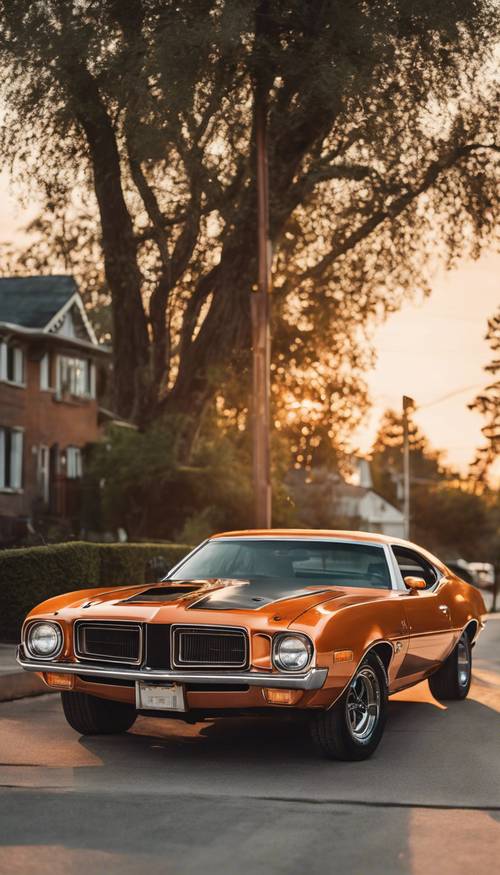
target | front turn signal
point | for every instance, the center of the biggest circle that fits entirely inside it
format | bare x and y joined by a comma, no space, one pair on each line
60,680
343,656
282,697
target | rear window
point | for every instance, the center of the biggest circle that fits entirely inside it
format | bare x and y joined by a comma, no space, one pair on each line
330,562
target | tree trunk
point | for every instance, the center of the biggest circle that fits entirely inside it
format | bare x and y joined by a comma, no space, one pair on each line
130,336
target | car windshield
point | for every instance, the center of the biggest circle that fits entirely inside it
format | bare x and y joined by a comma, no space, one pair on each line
330,562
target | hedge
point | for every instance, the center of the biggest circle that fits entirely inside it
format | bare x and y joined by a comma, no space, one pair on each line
32,574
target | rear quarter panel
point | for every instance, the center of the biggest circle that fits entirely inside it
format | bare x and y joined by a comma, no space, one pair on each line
465,602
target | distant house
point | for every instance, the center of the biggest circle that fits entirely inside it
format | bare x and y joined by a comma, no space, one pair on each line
375,513
323,499
50,369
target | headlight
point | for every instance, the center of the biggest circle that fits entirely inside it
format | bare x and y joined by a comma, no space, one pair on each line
292,652
44,639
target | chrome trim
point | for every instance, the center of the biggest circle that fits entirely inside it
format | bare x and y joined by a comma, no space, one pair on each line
24,637
311,680
399,577
181,562
106,624
200,628
396,576
290,634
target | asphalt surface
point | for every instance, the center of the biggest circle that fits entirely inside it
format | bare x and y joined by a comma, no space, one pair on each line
251,796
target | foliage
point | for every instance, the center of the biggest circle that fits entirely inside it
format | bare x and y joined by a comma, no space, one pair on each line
140,113
427,464
447,516
488,403
455,522
145,490
32,574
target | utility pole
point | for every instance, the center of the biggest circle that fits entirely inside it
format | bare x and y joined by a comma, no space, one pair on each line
261,332
408,403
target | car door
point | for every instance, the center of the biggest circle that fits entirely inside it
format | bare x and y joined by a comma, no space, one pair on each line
428,617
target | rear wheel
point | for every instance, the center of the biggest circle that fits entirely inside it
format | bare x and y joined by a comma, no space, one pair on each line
89,715
452,680
352,729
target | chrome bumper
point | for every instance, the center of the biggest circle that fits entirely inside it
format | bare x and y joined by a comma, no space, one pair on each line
311,680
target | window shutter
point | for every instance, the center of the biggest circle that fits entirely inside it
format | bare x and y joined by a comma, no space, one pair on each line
18,364
2,457
44,371
92,380
3,360
16,463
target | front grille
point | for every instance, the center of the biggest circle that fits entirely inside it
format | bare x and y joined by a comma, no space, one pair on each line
157,645
203,647
109,642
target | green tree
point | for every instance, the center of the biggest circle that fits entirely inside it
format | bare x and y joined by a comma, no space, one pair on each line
454,522
134,481
427,466
447,516
488,404
381,127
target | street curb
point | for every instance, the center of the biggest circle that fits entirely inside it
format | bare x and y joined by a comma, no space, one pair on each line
20,684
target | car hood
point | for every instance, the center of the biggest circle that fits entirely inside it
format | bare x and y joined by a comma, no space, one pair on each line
199,600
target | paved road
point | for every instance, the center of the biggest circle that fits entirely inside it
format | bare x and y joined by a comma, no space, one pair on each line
251,796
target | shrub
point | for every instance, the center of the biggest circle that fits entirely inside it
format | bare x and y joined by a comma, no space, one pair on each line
126,563
30,575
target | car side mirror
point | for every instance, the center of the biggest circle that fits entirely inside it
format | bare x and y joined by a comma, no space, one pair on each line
415,583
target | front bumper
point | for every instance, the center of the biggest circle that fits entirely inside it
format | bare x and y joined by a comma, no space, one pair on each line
310,680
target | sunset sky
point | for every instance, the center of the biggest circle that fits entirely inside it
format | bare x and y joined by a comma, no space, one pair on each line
435,348
429,349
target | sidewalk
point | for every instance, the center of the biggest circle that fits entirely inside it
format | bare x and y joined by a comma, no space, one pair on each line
14,682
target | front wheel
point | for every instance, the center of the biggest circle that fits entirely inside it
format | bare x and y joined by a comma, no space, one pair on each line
352,729
89,715
452,680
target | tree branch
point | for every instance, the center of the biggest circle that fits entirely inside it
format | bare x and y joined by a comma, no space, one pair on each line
348,242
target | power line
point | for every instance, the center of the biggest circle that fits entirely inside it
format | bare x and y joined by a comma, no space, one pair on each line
449,395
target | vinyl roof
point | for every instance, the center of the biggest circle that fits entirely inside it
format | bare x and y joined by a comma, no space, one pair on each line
310,533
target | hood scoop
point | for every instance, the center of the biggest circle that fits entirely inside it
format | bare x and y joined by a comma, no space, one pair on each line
162,594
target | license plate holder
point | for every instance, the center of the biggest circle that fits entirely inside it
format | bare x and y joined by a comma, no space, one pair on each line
159,697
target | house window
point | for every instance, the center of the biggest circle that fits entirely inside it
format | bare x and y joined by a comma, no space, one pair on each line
73,463
11,363
11,458
75,376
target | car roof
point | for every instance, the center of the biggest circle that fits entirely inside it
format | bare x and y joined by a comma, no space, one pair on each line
356,537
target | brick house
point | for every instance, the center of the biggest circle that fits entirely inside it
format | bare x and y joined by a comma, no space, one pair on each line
51,369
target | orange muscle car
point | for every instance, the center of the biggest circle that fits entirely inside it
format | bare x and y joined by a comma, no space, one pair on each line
322,624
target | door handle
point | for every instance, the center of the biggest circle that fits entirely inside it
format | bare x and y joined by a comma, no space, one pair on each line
444,608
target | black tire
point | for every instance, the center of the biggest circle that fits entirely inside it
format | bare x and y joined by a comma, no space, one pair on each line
334,733
89,715
452,680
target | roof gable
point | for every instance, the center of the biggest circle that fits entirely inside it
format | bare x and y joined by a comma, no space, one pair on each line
47,304
34,301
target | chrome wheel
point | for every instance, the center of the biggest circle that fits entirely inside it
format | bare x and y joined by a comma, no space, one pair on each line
463,661
363,704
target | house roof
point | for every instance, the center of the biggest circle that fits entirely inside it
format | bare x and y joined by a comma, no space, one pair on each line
34,301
